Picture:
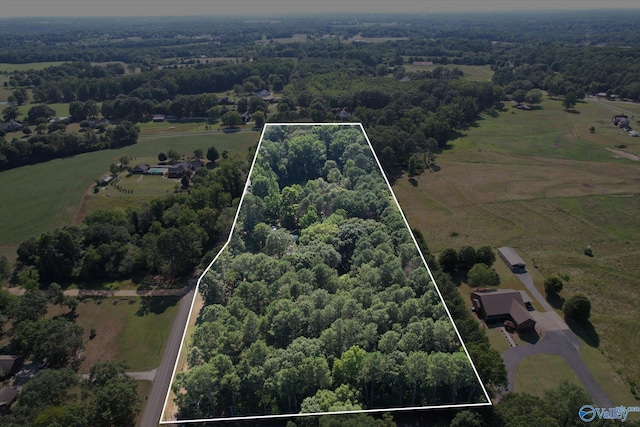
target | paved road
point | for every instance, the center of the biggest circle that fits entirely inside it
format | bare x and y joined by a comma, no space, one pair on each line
162,379
558,339
527,281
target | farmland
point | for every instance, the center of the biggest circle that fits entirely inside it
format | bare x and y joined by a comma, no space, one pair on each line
540,181
41,197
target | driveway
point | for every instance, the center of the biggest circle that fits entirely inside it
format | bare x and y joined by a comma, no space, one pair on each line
565,344
558,339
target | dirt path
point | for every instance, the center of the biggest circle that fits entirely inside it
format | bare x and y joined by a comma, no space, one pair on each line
82,207
619,153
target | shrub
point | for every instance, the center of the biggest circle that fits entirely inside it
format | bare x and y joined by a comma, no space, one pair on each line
553,285
509,326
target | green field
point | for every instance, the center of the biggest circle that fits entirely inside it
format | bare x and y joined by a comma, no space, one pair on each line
9,68
481,73
45,196
556,370
131,329
539,181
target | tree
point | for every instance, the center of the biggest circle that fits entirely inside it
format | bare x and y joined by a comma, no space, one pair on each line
552,285
577,307
485,255
76,111
258,118
126,133
466,258
43,112
173,154
47,387
569,100
114,169
198,153
20,96
212,154
124,160
10,113
592,129
534,96
112,396
448,260
481,275
162,157
232,119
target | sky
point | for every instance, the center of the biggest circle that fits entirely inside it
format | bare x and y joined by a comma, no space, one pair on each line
16,8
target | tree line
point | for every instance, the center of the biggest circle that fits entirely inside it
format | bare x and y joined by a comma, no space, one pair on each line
167,237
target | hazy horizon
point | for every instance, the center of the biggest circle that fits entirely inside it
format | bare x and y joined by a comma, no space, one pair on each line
122,8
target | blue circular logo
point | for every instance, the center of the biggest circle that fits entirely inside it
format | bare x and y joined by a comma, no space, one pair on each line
587,413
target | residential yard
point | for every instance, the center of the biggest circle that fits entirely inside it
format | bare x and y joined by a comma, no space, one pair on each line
540,182
541,372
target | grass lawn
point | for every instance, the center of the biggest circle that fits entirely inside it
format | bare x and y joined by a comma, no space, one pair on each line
42,197
144,390
480,73
529,380
132,329
538,181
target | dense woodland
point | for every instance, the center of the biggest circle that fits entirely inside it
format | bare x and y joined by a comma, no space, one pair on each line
322,301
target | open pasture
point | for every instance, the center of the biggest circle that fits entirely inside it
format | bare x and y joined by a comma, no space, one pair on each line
10,68
480,73
39,198
525,180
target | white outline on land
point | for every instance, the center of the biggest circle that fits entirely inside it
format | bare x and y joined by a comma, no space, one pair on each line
295,415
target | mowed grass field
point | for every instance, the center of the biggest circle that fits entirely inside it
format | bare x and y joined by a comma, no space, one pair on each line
131,329
555,369
42,197
9,68
539,181
481,73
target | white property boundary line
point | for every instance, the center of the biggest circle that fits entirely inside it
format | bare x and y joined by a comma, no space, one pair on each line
255,417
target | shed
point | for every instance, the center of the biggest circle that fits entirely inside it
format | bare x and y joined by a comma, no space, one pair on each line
159,118
512,259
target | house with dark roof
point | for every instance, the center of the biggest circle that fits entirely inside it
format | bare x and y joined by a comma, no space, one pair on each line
178,169
11,126
141,168
512,259
246,117
9,365
8,395
503,304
